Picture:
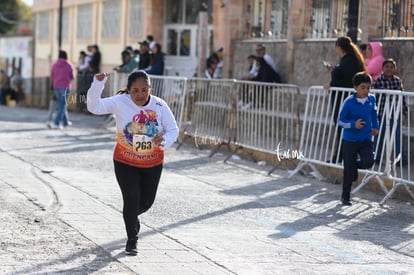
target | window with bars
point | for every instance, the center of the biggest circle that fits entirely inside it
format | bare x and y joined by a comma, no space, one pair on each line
84,22
135,18
259,13
278,19
186,11
397,18
266,21
326,19
43,26
110,19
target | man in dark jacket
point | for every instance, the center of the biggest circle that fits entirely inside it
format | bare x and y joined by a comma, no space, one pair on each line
144,55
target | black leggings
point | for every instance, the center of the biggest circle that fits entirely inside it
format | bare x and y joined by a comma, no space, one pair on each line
138,187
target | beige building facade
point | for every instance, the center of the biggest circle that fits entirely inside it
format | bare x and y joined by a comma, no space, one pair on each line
298,34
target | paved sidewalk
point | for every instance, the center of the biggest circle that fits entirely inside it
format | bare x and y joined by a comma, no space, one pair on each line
61,213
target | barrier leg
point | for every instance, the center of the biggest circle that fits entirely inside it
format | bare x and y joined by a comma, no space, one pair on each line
181,142
232,153
217,148
291,173
315,173
389,194
409,190
271,170
364,182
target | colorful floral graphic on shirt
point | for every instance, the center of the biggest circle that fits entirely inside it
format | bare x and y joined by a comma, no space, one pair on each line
134,143
144,123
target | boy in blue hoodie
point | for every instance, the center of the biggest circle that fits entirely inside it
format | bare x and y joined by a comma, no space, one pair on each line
358,117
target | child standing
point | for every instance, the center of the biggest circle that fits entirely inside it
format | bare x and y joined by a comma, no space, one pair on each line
358,118
390,81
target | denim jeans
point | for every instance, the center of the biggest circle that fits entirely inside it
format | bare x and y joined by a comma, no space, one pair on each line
61,95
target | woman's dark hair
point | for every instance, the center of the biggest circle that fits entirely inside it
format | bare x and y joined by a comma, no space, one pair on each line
346,44
134,76
361,77
63,54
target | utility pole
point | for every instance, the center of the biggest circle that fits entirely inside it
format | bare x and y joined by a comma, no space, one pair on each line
60,24
353,11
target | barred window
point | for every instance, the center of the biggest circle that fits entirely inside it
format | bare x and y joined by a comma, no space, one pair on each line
110,19
186,11
84,22
258,28
135,18
327,19
65,23
397,18
260,22
43,26
320,20
278,19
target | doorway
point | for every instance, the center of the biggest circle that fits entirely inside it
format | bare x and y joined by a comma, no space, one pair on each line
181,35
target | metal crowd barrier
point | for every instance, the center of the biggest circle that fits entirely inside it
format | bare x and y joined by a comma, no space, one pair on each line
211,119
268,118
258,116
83,82
38,91
321,138
173,91
393,148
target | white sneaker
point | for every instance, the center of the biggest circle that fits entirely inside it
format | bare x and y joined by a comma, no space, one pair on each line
54,126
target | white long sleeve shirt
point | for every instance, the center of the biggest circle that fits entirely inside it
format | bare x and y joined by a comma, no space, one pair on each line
136,125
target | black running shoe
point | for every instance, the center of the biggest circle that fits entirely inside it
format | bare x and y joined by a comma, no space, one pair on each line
131,247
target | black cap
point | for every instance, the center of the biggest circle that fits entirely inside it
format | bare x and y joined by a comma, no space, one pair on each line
144,42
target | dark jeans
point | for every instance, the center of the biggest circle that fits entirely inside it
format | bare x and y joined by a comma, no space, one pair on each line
350,152
138,187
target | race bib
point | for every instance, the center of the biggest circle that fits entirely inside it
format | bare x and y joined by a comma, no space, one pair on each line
142,143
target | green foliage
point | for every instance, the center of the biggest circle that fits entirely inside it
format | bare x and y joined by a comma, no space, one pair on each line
11,12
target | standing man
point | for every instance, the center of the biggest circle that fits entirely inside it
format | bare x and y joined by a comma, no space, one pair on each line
61,76
144,55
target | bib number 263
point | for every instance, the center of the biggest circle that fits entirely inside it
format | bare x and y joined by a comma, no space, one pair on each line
142,143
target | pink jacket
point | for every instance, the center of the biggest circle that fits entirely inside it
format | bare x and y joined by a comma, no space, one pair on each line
374,63
62,74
